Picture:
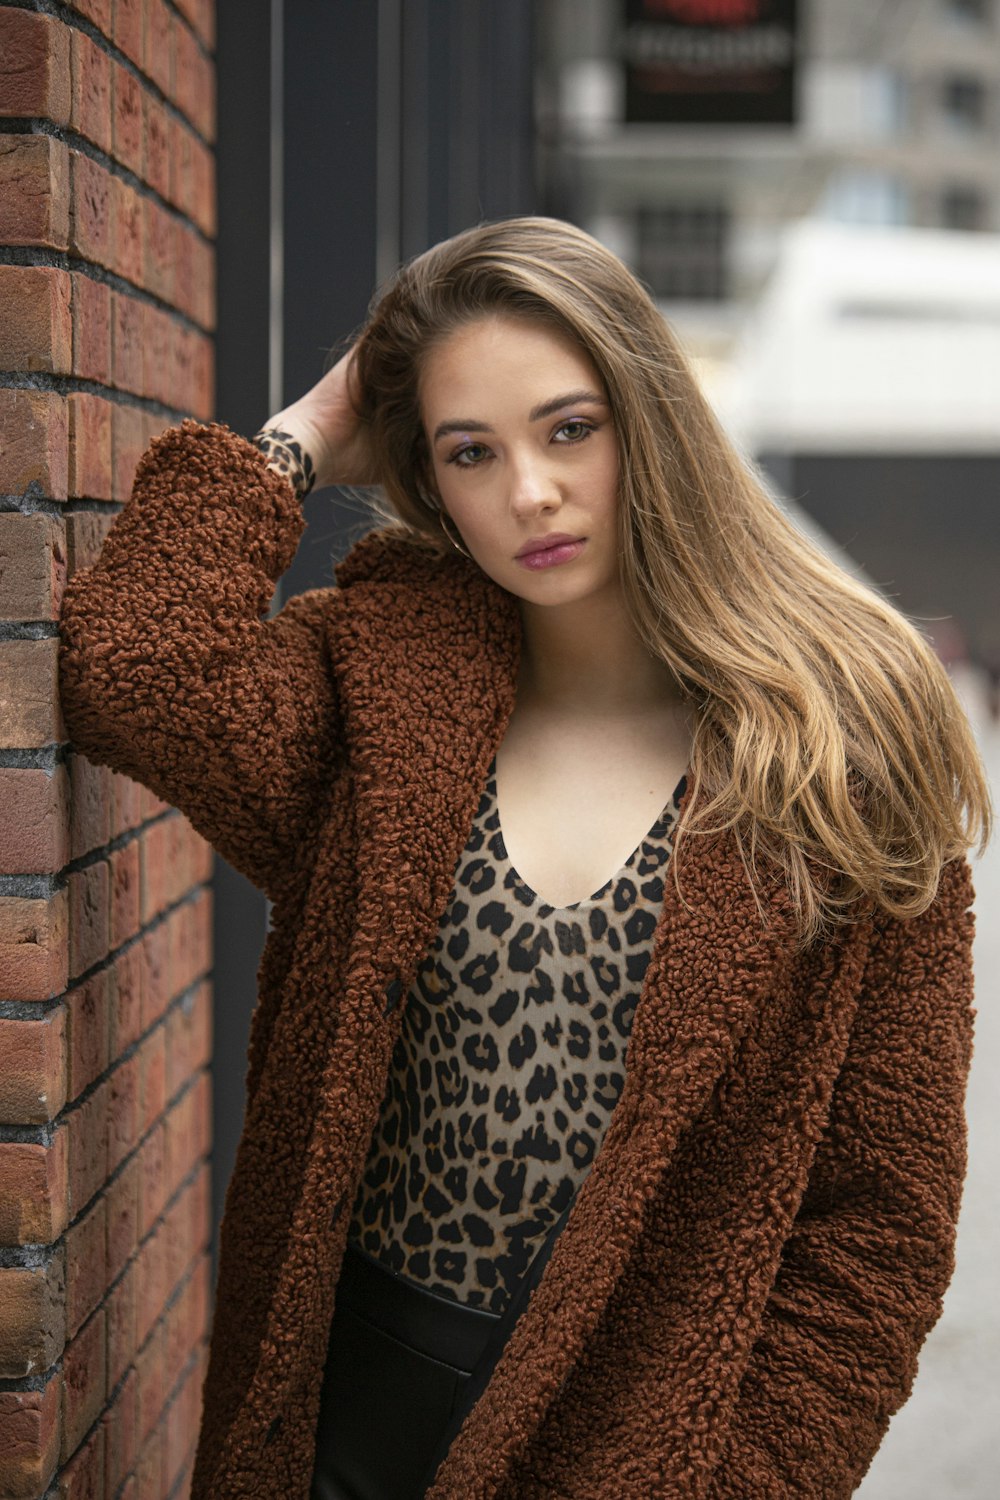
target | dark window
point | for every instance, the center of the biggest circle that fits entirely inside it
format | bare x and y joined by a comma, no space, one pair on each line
977,11
963,208
964,102
683,251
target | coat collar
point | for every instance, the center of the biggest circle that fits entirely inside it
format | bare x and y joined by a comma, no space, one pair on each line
428,654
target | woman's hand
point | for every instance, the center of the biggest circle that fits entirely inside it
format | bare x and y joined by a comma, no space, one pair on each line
327,425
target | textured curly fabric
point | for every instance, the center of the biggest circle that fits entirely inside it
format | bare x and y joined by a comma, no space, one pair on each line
736,1304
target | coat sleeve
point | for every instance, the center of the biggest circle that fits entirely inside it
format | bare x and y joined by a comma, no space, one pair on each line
871,1252
170,671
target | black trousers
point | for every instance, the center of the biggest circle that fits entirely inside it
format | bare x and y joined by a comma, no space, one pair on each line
403,1368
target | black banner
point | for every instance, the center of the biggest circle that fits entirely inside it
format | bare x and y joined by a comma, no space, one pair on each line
710,62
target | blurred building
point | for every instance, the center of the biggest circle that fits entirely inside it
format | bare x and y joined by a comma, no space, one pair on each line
894,120
811,190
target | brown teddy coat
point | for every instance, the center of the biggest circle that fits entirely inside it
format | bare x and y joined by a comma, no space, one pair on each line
735,1306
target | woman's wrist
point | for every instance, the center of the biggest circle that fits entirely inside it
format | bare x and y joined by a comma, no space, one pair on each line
287,451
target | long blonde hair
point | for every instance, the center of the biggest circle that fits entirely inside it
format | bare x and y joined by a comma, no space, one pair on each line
828,735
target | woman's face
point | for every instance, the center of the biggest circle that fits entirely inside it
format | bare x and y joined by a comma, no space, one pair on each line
524,457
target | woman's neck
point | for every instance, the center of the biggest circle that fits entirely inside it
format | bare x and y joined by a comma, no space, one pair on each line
588,659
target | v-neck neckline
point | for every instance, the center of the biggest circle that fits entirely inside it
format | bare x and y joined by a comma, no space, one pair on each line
659,830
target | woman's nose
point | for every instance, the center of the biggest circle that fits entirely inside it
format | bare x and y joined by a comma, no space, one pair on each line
532,488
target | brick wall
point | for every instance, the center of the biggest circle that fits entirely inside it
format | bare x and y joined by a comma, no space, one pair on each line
106,316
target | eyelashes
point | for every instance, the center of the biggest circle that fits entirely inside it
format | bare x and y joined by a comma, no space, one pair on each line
462,460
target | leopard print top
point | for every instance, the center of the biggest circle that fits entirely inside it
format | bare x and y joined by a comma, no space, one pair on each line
507,1068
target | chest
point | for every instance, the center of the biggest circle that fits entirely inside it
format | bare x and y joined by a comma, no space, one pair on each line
576,796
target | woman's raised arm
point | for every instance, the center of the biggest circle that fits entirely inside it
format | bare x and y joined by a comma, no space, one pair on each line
170,671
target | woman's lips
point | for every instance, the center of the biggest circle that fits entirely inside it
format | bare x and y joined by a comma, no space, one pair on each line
552,556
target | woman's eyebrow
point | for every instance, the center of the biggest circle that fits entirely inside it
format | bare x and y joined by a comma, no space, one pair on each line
546,409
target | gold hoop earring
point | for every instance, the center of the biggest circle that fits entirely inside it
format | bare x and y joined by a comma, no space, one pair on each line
444,518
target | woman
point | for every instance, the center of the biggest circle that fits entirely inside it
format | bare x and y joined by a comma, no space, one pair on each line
604,1131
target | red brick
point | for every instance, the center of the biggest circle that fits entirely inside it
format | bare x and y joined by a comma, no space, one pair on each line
126,803
34,66
90,916
86,1129
33,1080
158,277
127,129
192,179
154,948
123,1217
127,446
36,443
178,1228
127,978
201,15
126,336
87,1011
84,1382
30,710
128,29
153,1077
154,1276
123,1111
194,949
203,309
150,1290
128,216
124,893
91,110
182,184
33,1204
203,202
89,819
33,957
83,1477
32,567
153,869
86,1265
151,1468
89,446
158,134
189,1037
32,1317
154,1187
159,63
188,73
202,398
194,277
179,1336
150,804
157,342
34,819
36,329
91,329
29,1438
34,173
98,11
120,1422
187,1142
92,227
184,352
121,1326
85,533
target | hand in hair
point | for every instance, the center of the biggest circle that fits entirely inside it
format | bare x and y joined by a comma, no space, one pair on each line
326,423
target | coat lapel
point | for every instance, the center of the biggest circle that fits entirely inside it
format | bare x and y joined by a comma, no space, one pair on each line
428,687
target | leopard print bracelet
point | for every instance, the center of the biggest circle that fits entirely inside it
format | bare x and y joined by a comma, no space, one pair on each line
287,455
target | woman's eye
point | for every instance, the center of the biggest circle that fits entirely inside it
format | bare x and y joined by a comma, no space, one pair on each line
576,430
469,456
